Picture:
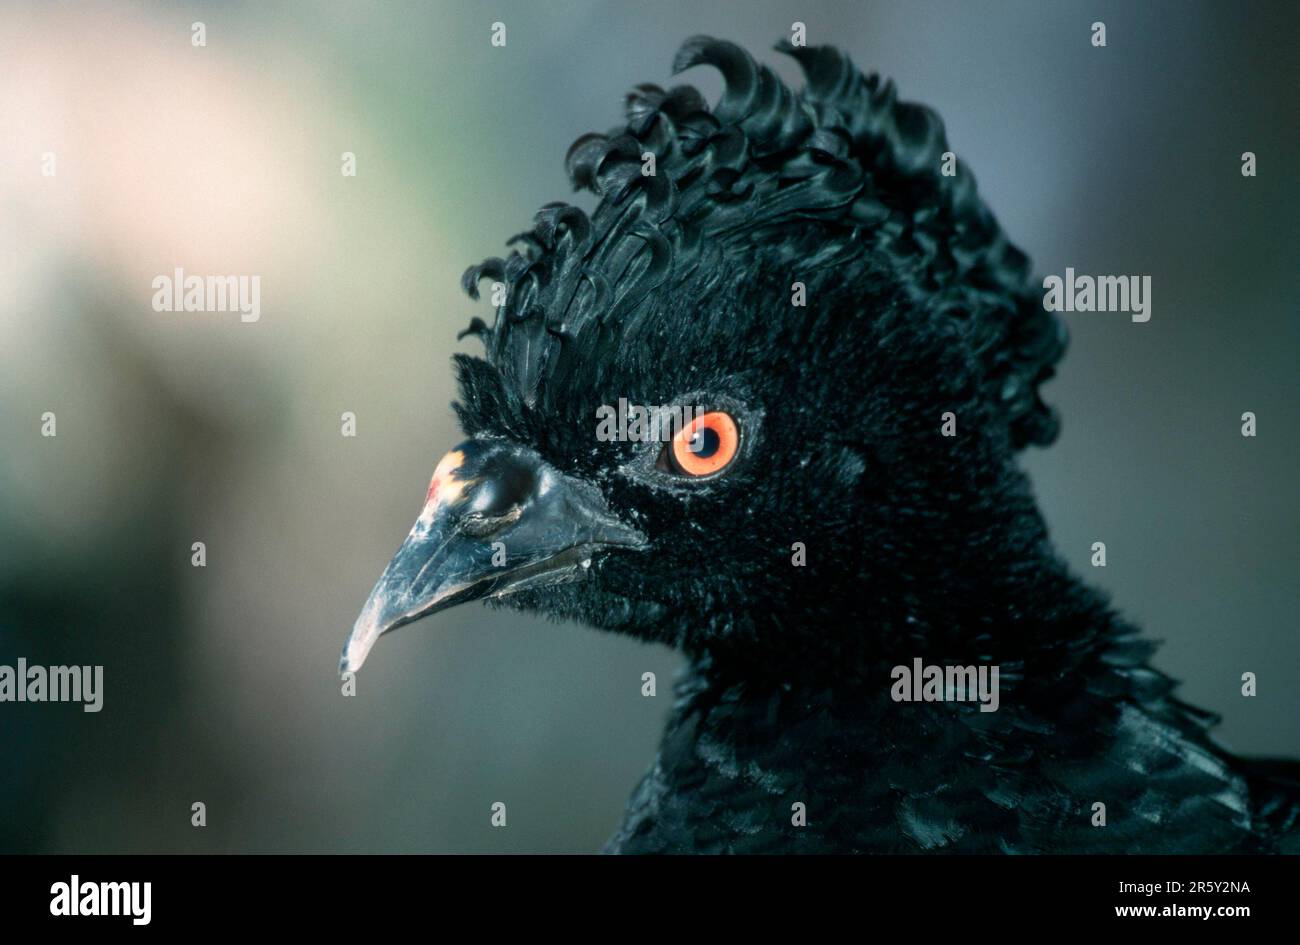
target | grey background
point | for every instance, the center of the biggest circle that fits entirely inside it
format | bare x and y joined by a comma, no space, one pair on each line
221,682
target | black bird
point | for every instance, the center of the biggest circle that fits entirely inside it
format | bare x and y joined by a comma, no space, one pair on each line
799,267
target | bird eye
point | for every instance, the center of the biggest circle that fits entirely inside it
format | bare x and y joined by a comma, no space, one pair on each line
704,446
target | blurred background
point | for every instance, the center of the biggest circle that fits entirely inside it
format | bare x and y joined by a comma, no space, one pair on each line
220,682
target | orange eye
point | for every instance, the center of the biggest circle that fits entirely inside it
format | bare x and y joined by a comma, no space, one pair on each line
705,445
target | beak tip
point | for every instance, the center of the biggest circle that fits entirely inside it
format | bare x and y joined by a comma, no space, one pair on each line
356,649
353,657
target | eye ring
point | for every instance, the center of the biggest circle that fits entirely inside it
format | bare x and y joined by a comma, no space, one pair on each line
704,447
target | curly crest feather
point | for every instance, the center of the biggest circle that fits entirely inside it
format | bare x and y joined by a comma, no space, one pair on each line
843,157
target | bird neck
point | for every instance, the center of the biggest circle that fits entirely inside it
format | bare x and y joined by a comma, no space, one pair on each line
1029,618
1013,683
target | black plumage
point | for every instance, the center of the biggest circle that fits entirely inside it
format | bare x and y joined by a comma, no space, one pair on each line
678,290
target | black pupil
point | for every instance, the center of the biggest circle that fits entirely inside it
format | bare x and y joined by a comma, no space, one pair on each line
704,442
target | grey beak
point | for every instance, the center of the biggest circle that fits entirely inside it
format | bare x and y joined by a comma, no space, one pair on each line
497,519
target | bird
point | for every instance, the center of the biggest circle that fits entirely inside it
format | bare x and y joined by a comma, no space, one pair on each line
860,350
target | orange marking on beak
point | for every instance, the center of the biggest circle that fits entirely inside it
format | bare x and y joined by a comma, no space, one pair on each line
445,487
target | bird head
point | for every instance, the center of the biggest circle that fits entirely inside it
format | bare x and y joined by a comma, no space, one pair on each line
804,293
